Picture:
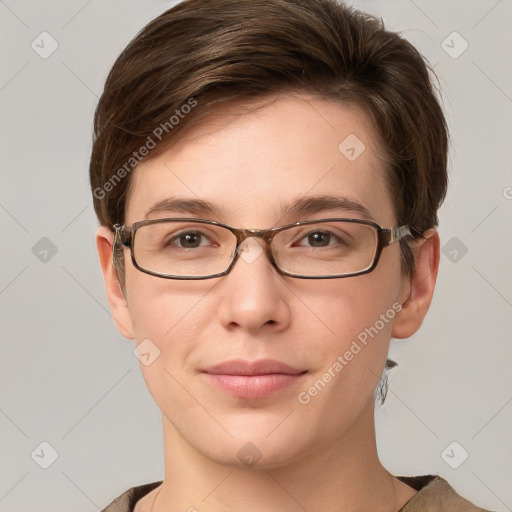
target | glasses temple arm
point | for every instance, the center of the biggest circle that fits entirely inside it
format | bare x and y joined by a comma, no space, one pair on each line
396,234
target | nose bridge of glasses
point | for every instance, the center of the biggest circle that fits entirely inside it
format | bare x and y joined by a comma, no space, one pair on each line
244,234
249,249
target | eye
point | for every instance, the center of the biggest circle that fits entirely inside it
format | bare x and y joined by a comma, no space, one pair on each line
320,239
188,240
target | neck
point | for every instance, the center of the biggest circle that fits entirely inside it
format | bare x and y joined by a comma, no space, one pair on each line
342,474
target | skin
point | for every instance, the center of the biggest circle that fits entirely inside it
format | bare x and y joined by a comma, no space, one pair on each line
319,456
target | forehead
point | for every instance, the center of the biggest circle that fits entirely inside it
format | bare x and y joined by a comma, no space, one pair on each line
252,164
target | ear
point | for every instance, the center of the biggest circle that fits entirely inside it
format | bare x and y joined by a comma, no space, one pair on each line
116,299
419,288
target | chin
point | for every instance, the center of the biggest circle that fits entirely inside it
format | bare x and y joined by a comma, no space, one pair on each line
253,457
256,450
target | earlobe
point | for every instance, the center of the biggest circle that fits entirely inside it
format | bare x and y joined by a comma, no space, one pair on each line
421,287
116,298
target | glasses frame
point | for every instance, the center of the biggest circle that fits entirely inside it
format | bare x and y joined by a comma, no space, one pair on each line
125,236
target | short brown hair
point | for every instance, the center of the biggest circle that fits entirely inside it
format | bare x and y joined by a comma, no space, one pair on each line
205,51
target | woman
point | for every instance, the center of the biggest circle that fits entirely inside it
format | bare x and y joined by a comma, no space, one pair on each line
267,176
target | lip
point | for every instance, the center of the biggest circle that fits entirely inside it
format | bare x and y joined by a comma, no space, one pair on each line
252,380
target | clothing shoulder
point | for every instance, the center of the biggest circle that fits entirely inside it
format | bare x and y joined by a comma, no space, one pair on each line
435,494
126,502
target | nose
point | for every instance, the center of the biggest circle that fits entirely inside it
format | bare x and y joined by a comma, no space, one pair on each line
253,295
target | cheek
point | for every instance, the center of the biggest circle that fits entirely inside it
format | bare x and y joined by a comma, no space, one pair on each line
347,308
168,317
161,307
348,362
356,316
357,347
171,314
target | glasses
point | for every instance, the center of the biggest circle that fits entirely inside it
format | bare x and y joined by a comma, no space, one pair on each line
203,249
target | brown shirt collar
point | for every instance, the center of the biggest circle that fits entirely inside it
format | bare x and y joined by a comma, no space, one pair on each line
434,495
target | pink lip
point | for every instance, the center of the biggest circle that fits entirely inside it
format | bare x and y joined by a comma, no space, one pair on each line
252,380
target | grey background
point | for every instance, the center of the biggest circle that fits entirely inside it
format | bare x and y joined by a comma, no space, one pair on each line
69,379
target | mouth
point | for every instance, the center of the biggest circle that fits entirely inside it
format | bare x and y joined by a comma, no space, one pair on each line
252,380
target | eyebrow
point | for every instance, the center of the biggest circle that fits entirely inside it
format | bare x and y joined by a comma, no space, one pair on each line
316,204
300,207
184,205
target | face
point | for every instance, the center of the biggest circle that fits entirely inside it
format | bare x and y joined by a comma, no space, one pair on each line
325,341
